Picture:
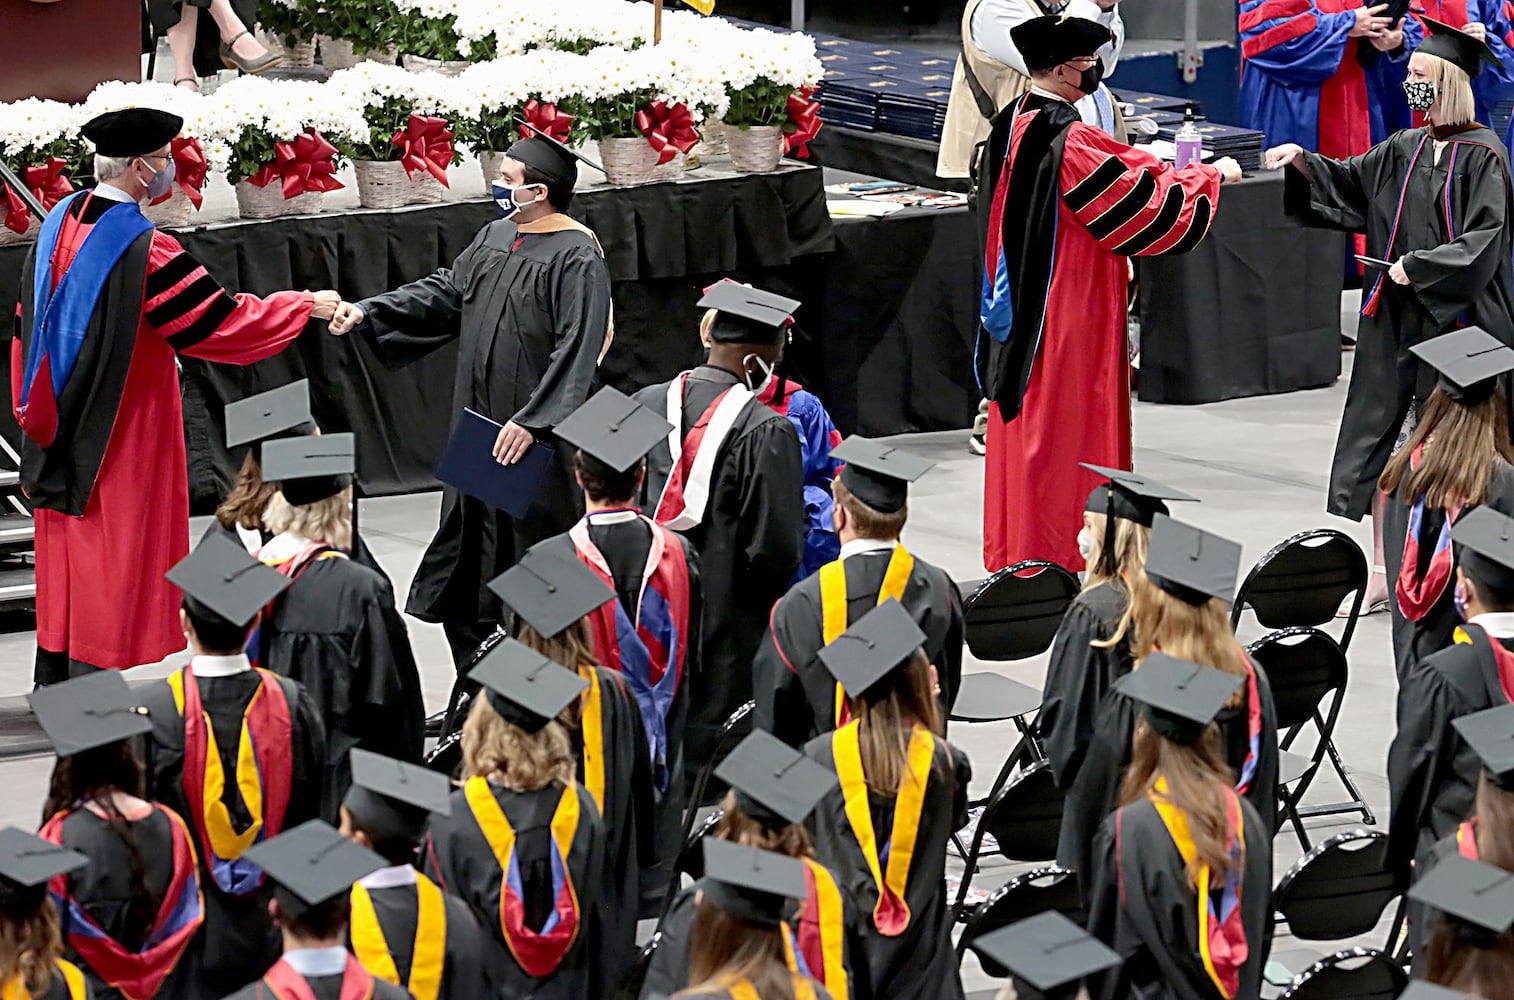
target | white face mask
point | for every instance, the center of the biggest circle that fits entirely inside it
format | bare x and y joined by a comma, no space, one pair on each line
1085,543
767,371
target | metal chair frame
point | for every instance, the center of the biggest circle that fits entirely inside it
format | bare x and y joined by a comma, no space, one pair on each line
1376,960
1022,884
1262,574
1033,772
1326,853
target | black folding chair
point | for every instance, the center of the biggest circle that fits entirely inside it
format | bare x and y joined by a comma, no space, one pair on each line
1339,890
636,976
1050,888
1025,819
448,752
1303,580
1307,671
690,860
1351,974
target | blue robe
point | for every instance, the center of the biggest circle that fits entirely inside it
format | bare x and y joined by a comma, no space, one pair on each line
817,437
1301,80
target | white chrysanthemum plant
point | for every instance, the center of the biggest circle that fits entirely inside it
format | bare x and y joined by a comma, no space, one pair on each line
387,98
40,142
255,117
198,151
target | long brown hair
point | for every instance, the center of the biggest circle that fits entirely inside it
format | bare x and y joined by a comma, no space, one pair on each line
737,826
573,648
523,762
1200,634
887,712
1199,782
249,496
1495,824
724,950
1455,962
1463,445
30,948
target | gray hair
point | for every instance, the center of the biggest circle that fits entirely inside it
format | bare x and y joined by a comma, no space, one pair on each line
108,168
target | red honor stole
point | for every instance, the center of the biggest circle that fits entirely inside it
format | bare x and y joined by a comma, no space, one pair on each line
686,494
819,949
538,953
1222,943
1418,592
833,613
650,651
264,773
1503,660
137,975
286,984
890,875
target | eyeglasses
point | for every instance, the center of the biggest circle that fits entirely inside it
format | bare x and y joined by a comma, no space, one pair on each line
165,157
1084,61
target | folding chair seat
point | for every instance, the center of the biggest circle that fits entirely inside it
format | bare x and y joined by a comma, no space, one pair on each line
1049,888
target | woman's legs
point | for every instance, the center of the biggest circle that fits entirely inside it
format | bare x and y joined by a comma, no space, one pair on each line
181,42
232,27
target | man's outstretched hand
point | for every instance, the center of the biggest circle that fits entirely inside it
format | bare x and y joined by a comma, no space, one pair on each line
325,304
346,317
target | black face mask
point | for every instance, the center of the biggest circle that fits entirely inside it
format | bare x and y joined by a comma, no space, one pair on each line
1089,79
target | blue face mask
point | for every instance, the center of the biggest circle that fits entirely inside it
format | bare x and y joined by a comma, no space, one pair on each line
1459,599
161,183
504,198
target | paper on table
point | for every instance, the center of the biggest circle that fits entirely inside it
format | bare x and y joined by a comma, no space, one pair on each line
860,209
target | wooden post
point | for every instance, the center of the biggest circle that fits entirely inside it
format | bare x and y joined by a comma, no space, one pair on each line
656,22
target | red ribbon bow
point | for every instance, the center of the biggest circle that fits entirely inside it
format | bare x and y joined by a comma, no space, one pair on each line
546,117
670,130
47,182
425,144
18,218
805,114
189,170
304,165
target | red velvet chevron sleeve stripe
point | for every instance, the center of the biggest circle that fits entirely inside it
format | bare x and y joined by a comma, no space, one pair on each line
1134,204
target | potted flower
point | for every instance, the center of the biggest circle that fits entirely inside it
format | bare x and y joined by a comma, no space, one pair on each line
536,87
40,142
643,130
427,38
406,144
191,160
353,31
767,73
286,24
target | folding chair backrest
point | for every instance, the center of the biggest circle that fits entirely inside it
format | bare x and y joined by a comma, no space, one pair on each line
1303,581
1303,666
1049,888
636,976
1015,613
1026,818
1339,889
691,857
1352,974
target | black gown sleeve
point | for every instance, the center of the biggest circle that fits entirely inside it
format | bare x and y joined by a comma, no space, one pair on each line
1336,194
1419,758
962,776
771,518
1095,791
669,970
465,952
580,321
394,716
406,324
1102,896
1072,692
949,670
1448,278
1263,791
307,799
783,708
643,785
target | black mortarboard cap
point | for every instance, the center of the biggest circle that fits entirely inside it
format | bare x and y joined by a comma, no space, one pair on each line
1421,990
551,156
393,799
1044,42
752,885
1477,897
1134,498
87,712
614,428
873,647
1190,563
1469,361
879,473
775,784
524,687
1457,47
551,588
1048,951
222,576
1484,541
276,411
314,862
311,468
27,862
1180,698
1490,734
764,315
132,131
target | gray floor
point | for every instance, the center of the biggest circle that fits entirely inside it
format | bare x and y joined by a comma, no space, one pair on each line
1259,465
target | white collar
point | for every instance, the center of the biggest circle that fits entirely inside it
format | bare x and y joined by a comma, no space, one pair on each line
1498,624
310,962
612,516
220,666
389,878
1042,92
282,546
862,546
252,539
112,193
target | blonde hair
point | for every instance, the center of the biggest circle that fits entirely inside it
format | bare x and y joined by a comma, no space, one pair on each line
1453,91
705,322
523,762
1131,540
30,948
328,520
1463,445
1156,620
887,713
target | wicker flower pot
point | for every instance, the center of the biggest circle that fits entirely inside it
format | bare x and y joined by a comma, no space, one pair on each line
337,53
297,55
756,149
171,214
488,165
11,238
713,139
384,184
673,170
629,162
268,202
446,67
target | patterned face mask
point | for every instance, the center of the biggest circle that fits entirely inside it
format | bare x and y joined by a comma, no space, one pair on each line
1420,94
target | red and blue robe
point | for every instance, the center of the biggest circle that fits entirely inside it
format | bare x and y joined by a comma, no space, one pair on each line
818,437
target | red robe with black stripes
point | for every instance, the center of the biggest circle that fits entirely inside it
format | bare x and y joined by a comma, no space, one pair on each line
1116,201
101,594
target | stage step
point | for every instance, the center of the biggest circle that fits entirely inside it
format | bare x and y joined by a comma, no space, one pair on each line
17,585
16,530
11,478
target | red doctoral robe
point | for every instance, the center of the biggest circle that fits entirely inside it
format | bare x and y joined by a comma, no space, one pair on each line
1059,381
103,547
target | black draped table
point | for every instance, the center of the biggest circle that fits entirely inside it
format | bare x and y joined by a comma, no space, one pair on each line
885,333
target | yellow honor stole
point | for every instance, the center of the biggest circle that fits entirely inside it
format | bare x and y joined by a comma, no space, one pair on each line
224,839
72,978
833,620
742,989
830,920
891,914
591,721
428,954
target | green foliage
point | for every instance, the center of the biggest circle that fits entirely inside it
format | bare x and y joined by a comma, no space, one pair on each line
761,103
384,119
288,23
428,37
610,117
253,150
80,159
370,25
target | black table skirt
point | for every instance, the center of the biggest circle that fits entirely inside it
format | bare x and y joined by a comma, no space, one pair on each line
1255,309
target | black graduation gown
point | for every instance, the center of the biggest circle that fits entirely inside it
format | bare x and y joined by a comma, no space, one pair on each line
796,694
920,962
669,970
1469,277
238,942
324,988
458,857
337,632
1095,793
104,890
1078,675
360,553
1153,924
750,543
531,314
625,546
1432,773
397,910
1415,640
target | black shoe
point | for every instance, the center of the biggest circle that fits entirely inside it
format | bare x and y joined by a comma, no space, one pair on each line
434,723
